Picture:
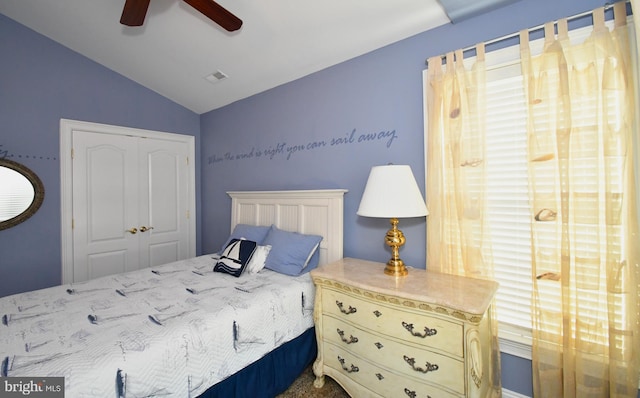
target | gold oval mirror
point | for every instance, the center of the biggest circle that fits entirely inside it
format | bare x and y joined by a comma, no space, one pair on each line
21,193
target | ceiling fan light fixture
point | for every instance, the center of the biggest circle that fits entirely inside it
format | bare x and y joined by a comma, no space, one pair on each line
216,76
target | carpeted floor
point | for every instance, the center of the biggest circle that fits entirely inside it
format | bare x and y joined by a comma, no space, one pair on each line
303,388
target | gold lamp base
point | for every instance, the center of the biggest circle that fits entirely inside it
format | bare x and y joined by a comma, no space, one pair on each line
394,239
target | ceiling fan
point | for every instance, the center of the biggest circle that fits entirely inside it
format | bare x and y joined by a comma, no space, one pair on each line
135,11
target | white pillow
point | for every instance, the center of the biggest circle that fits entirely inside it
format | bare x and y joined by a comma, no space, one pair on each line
313,252
256,264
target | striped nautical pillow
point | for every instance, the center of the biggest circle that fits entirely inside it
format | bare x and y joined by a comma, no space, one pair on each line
235,257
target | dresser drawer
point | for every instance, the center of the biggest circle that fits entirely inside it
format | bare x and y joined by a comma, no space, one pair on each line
422,364
398,322
378,379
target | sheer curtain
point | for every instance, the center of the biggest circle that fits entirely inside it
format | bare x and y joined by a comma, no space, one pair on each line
456,166
584,223
456,241
581,127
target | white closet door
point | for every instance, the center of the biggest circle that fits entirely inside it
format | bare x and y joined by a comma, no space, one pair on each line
130,203
164,207
105,205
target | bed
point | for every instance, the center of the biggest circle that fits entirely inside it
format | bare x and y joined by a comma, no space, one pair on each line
193,327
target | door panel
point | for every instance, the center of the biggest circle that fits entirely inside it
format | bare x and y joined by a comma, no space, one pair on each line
164,186
164,253
166,191
104,203
106,187
102,264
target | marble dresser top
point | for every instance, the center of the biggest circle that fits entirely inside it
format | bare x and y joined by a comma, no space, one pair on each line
468,295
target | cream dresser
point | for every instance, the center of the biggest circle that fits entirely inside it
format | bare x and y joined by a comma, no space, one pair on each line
423,335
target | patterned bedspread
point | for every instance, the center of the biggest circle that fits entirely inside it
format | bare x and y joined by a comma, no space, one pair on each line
173,330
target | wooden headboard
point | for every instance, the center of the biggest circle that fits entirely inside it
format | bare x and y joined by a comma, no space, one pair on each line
317,212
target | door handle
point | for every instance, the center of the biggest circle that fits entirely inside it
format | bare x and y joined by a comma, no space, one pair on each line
132,231
145,229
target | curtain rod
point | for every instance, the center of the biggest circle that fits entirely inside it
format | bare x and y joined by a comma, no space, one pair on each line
607,7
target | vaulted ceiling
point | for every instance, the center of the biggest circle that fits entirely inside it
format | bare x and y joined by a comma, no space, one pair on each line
177,49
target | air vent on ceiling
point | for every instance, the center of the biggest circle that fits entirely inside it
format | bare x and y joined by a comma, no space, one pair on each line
216,76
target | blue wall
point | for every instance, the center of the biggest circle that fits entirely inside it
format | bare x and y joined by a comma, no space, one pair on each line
244,145
247,145
40,83
322,117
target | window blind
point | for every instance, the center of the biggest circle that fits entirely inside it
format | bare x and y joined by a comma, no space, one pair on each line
507,195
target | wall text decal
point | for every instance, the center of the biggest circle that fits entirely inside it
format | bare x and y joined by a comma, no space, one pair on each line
4,154
284,149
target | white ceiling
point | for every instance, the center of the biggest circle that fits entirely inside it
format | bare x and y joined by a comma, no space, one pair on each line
280,40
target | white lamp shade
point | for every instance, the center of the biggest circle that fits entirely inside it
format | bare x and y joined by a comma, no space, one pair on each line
392,192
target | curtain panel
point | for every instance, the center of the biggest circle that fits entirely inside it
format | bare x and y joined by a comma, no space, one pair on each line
456,240
456,166
584,240
581,126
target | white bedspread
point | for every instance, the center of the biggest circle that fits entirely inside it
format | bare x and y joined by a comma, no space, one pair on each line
173,330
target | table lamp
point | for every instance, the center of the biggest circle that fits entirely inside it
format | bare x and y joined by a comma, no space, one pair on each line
392,192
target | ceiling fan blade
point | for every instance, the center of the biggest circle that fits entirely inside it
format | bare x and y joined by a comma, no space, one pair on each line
134,12
216,13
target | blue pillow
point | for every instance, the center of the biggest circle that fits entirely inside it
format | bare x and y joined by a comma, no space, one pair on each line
292,253
235,257
256,233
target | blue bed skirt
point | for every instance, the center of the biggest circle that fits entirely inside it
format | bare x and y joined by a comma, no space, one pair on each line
272,374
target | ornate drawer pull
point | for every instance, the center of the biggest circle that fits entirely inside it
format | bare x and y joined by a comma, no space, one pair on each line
412,394
347,312
351,338
354,369
427,332
377,313
428,366
379,376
